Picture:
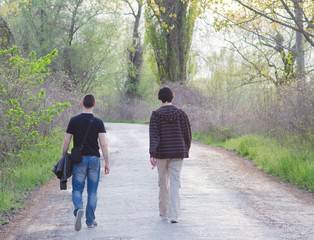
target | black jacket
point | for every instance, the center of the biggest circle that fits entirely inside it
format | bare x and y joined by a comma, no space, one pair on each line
63,170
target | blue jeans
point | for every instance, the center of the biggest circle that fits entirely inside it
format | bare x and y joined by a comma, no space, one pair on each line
89,168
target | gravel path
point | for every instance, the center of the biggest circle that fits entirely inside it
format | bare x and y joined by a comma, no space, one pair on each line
222,197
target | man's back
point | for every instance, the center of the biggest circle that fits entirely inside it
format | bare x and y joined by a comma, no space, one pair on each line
78,126
170,135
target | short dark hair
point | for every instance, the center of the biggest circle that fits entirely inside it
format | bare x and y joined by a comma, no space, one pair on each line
165,94
89,101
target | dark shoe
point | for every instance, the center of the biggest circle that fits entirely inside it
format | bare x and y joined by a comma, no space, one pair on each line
173,220
78,219
94,224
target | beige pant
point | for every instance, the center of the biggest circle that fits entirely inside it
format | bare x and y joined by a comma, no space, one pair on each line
169,199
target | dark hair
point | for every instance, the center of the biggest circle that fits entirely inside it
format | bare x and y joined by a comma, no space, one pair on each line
89,101
165,94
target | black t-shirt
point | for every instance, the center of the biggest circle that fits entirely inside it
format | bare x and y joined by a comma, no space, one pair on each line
78,127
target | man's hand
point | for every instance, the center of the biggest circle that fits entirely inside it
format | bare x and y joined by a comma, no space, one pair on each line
107,169
153,161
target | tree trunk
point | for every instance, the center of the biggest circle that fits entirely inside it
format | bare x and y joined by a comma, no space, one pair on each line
177,46
300,72
68,51
288,61
170,35
6,36
135,53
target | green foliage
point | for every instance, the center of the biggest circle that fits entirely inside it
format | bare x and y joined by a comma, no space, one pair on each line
33,170
86,37
96,58
284,163
21,98
24,111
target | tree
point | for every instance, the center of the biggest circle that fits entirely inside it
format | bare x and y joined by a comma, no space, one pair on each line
135,53
79,29
289,14
271,61
6,36
169,32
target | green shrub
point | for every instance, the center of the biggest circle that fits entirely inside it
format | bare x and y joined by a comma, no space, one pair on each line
34,169
24,113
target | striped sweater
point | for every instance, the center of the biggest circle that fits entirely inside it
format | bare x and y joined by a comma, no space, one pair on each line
169,133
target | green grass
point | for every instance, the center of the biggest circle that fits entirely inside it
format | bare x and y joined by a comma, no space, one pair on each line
206,138
285,163
34,170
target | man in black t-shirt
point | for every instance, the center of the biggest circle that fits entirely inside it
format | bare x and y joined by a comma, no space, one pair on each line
89,168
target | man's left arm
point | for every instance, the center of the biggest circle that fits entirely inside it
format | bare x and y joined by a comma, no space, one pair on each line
66,143
188,133
104,149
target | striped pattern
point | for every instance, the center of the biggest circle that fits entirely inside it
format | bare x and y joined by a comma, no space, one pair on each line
169,133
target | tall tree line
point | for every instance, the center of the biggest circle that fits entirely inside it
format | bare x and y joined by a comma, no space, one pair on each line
80,29
87,34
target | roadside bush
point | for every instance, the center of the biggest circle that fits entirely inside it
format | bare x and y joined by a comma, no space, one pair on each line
58,87
286,113
24,112
34,170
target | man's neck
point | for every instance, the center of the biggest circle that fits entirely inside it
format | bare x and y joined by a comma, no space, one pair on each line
167,103
87,110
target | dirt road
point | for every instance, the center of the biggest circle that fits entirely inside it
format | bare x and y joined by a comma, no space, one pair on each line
222,197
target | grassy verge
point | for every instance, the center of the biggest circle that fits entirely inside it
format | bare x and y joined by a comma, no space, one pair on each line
284,163
34,170
207,139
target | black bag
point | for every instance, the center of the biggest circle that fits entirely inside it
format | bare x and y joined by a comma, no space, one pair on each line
76,152
76,155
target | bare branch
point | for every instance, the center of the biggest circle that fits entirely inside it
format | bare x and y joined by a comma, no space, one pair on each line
130,6
306,34
255,33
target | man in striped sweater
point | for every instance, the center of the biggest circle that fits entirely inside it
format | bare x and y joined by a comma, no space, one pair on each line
170,142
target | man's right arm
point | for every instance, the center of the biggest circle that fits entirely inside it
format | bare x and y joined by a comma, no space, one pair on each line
188,132
104,149
154,137
66,143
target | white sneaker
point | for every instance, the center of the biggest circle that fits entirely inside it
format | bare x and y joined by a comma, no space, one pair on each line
173,220
78,219
93,225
